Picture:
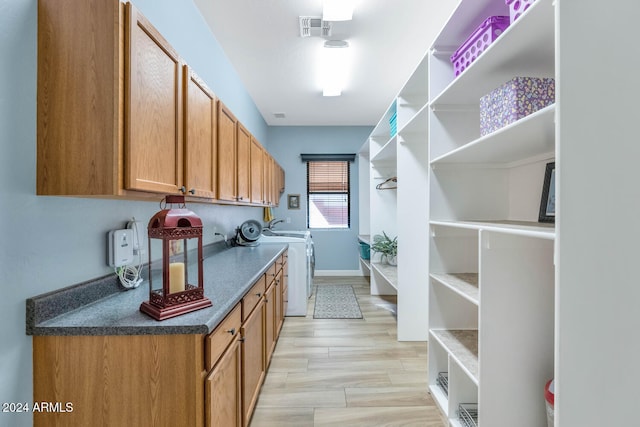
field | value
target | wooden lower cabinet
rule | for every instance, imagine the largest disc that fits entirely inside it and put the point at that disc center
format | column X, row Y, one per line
column 196, row 380
column 119, row 380
column 253, row 366
column 223, row 389
column 279, row 315
column 285, row 290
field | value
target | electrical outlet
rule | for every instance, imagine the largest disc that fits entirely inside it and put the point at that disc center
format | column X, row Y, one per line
column 120, row 252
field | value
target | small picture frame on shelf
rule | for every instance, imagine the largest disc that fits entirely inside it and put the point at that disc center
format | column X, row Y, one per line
column 293, row 201
column 548, row 201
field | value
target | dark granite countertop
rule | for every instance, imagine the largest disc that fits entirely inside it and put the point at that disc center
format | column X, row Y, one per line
column 94, row 308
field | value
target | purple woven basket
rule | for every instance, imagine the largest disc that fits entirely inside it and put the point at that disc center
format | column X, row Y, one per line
column 478, row 42
column 517, row 8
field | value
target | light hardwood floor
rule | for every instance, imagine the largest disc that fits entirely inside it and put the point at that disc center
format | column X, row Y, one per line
column 347, row 372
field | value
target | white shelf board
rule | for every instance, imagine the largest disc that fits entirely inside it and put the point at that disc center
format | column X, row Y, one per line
column 388, row 153
column 468, row 15
column 464, row 284
column 455, row 422
column 462, row 347
column 382, row 128
column 388, row 272
column 522, row 228
column 364, row 238
column 528, row 137
column 440, row 398
column 415, row 101
column 526, row 48
column 417, row 84
column 418, row 124
column 366, row 263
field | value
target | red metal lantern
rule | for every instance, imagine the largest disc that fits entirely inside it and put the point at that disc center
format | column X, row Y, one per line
column 175, row 262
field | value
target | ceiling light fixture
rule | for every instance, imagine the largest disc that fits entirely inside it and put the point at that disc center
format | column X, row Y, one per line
column 334, row 64
column 337, row 10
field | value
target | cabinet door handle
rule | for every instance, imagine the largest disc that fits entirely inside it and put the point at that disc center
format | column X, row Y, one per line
column 192, row 191
column 258, row 294
column 183, row 189
column 241, row 339
column 232, row 331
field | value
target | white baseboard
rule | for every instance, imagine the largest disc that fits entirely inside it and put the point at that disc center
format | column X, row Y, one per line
column 338, row 273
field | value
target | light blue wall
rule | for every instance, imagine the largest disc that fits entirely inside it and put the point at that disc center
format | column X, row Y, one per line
column 335, row 249
column 51, row 242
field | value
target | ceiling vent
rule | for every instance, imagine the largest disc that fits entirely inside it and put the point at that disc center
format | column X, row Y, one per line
column 314, row 26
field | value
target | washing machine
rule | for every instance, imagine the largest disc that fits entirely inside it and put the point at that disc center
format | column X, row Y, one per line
column 301, row 264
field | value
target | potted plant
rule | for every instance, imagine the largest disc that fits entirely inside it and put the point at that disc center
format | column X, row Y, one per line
column 386, row 247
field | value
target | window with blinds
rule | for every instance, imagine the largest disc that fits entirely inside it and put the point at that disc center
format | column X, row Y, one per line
column 328, row 194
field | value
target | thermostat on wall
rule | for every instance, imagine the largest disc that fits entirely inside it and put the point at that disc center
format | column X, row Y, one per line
column 120, row 252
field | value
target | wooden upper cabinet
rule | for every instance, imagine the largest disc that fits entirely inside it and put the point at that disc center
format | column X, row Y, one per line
column 243, row 166
column 79, row 108
column 226, row 153
column 119, row 114
column 266, row 178
column 279, row 181
column 257, row 160
column 200, row 136
column 153, row 137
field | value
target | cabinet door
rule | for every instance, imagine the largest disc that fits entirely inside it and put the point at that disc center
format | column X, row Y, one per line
column 79, row 82
column 226, row 153
column 223, row 390
column 243, row 164
column 252, row 360
column 274, row 182
column 199, row 137
column 285, row 289
column 279, row 315
column 266, row 178
column 269, row 322
column 257, row 159
column 153, row 138
column 278, row 186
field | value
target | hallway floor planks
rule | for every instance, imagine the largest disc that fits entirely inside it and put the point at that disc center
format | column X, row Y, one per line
column 350, row 372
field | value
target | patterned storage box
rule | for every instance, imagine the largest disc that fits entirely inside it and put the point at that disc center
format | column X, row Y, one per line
column 478, row 42
column 517, row 8
column 514, row 100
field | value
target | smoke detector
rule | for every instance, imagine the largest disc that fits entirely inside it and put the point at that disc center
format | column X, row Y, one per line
column 314, row 26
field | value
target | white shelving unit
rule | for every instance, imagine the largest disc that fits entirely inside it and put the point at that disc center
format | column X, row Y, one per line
column 382, row 148
column 512, row 302
column 491, row 266
column 404, row 156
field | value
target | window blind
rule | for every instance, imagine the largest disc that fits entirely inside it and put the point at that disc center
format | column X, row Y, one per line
column 328, row 194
